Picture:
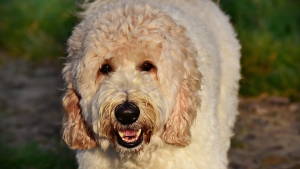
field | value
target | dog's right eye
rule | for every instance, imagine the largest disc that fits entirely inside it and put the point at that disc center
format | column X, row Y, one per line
column 105, row 69
column 147, row 66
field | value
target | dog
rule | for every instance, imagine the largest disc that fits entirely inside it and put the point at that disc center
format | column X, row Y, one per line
column 151, row 84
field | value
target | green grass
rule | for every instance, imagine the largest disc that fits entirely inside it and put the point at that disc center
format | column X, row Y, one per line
column 269, row 32
column 36, row 29
column 31, row 156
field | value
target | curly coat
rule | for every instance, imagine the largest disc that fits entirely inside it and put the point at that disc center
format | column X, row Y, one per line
column 188, row 101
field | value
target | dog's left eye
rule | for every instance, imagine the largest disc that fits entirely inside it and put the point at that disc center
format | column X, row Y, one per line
column 146, row 66
column 105, row 69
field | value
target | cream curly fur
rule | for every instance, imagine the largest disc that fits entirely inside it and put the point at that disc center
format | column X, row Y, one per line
column 187, row 101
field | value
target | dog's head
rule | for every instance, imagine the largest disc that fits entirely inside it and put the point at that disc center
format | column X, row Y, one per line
column 132, row 76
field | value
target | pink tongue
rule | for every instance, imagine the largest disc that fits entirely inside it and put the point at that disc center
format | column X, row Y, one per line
column 129, row 133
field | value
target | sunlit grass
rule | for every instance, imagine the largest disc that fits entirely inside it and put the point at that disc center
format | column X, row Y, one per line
column 269, row 32
column 35, row 29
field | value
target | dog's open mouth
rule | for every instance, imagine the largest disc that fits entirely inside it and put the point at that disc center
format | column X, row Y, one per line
column 130, row 138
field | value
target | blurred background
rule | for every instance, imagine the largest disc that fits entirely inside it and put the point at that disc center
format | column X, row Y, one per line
column 33, row 35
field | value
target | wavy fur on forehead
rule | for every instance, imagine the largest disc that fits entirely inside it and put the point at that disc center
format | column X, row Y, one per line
column 122, row 25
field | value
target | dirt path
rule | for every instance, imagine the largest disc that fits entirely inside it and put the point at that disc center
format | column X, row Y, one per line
column 30, row 108
column 267, row 134
column 267, row 129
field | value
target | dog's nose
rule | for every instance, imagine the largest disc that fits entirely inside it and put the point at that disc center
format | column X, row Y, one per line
column 127, row 113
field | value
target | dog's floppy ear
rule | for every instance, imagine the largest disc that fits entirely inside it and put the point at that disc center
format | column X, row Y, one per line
column 76, row 133
column 177, row 128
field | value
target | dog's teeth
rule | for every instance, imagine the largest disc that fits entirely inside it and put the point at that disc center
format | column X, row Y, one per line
column 139, row 132
column 121, row 134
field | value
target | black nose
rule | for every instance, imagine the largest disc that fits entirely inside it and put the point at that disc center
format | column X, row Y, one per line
column 127, row 113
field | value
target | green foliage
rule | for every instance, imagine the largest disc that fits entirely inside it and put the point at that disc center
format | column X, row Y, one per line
column 269, row 32
column 35, row 29
column 31, row 156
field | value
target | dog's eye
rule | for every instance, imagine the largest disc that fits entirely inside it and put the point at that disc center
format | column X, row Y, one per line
column 105, row 69
column 146, row 66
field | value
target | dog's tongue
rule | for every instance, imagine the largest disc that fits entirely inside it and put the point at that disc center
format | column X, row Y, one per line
column 129, row 133
column 130, row 136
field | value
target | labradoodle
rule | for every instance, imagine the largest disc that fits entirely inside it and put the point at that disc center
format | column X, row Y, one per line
column 151, row 85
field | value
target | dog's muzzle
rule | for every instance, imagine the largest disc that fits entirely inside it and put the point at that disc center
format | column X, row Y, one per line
column 128, row 113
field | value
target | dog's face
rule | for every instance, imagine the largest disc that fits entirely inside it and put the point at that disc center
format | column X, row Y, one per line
column 132, row 76
column 123, row 101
